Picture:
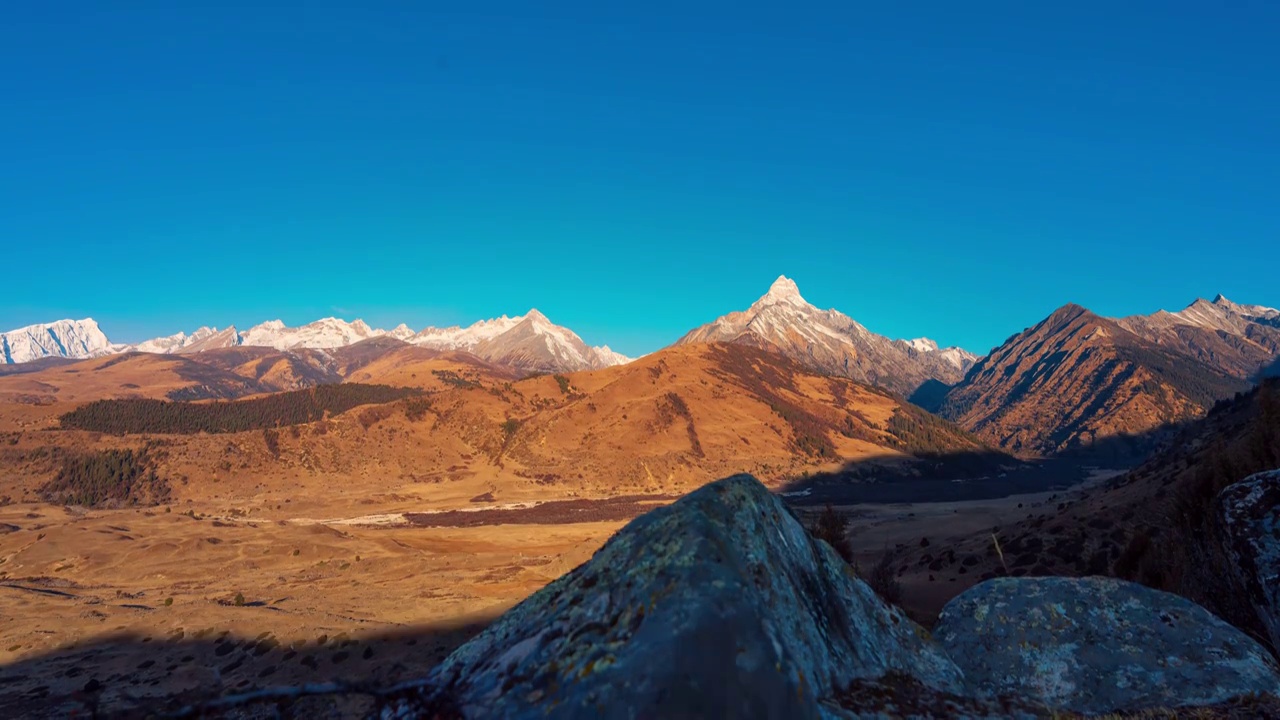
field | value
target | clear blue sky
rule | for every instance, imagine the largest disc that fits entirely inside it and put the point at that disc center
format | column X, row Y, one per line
column 956, row 170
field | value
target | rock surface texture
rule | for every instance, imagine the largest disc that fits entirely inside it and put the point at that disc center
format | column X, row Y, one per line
column 719, row 605
column 1250, row 513
column 1098, row 645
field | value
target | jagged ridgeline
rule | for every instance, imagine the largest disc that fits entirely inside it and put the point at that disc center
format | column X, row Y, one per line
column 130, row 416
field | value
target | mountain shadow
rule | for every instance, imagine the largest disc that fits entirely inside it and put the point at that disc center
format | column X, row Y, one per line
column 136, row 676
column 930, row 395
column 970, row 475
column 1271, row 372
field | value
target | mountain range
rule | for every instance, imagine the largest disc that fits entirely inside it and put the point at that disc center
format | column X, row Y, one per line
column 527, row 342
column 1068, row 383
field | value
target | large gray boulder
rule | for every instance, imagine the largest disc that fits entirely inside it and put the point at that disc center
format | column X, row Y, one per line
column 1250, row 513
column 1097, row 645
column 717, row 606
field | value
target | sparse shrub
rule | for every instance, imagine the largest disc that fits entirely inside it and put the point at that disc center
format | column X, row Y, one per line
column 671, row 406
column 563, row 382
column 373, row 415
column 453, row 379
column 416, row 408
column 510, row 426
column 239, row 601
column 168, row 602
column 832, row 528
column 884, row 581
column 271, row 437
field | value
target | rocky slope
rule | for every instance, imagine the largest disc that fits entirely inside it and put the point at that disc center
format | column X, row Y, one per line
column 833, row 343
column 1237, row 340
column 1076, row 381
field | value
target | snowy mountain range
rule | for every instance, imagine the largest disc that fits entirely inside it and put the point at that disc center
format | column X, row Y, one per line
column 835, row 343
column 1233, row 338
column 529, row 342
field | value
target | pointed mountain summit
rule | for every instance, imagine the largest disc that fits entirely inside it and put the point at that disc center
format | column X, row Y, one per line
column 783, row 290
column 833, row 343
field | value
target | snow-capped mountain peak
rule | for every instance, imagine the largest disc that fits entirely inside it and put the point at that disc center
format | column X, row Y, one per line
column 783, row 291
column 176, row 342
column 324, row 333
column 63, row 338
column 401, row 332
column 922, row 345
column 530, row 341
column 834, row 342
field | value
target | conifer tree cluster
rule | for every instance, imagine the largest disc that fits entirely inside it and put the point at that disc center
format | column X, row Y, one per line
column 129, row 416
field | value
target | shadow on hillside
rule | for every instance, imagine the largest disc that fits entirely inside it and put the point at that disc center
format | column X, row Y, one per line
column 131, row 675
column 930, row 395
column 1272, row 371
column 973, row 475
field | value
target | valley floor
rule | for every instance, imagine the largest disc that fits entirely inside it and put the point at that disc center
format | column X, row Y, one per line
column 143, row 602
column 875, row 529
column 244, row 589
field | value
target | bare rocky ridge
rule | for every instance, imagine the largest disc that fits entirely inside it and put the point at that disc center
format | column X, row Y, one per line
column 833, row 343
column 1076, row 379
column 1237, row 340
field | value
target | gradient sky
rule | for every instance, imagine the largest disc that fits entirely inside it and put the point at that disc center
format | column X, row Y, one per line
column 955, row 170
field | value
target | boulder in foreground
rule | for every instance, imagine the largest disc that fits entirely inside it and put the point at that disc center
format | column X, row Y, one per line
column 1250, row 513
column 1098, row 645
column 719, row 605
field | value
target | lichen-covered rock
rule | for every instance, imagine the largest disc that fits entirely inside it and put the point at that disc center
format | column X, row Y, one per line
column 1095, row 645
column 1250, row 512
column 719, row 605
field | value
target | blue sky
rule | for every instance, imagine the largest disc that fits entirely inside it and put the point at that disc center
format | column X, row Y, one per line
column 942, row 169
